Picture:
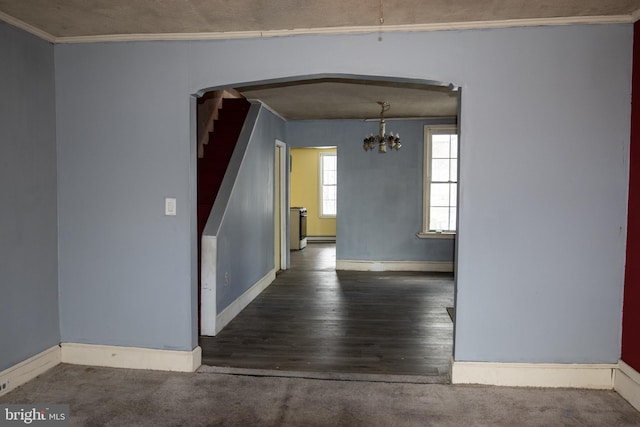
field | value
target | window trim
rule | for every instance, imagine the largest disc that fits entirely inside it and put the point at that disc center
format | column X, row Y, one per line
column 429, row 131
column 321, row 214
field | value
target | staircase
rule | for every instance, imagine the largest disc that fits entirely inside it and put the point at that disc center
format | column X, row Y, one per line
column 214, row 161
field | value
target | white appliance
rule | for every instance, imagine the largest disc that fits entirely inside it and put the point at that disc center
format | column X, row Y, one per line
column 298, row 228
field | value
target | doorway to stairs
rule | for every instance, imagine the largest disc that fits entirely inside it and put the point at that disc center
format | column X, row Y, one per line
column 219, row 120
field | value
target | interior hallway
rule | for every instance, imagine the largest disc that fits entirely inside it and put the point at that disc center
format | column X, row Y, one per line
column 315, row 319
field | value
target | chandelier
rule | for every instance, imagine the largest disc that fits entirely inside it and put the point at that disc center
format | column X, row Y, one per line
column 382, row 140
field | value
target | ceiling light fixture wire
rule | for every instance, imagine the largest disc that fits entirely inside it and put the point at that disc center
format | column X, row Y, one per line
column 380, row 19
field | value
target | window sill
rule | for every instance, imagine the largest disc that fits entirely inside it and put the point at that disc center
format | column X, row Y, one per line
column 436, row 235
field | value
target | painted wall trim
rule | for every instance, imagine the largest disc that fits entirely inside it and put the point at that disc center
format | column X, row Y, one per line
column 434, row 235
column 588, row 376
column 30, row 368
column 208, row 285
column 430, row 266
column 328, row 239
column 131, row 357
column 282, row 190
column 472, row 25
column 269, row 109
column 627, row 384
column 233, row 309
column 27, row 27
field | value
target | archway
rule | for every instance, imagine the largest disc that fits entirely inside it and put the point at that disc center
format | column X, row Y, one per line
column 286, row 83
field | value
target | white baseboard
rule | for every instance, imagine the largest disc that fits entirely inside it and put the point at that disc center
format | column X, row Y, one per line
column 430, row 266
column 233, row 309
column 588, row 376
column 322, row 239
column 131, row 357
column 30, row 368
column 627, row 384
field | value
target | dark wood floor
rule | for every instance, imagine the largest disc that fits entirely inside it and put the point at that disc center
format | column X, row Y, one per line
column 315, row 319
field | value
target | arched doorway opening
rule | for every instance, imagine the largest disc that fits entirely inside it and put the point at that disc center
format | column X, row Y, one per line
column 375, row 217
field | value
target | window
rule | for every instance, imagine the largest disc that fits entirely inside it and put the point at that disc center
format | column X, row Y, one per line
column 328, row 184
column 440, row 181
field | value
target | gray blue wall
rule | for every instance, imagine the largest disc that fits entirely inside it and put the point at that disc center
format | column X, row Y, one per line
column 544, row 167
column 379, row 195
column 126, row 276
column 245, row 240
column 28, row 219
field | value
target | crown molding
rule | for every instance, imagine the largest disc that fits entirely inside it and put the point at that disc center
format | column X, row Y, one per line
column 446, row 26
column 27, row 27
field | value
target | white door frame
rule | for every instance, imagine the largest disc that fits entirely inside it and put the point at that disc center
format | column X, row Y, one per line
column 283, row 204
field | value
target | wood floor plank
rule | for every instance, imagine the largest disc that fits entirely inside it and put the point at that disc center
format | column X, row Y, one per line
column 312, row 318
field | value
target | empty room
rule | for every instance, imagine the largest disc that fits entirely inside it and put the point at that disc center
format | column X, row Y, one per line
column 151, row 154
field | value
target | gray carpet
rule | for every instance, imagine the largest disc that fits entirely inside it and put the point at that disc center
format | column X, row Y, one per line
column 121, row 397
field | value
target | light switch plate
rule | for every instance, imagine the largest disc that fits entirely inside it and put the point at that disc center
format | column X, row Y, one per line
column 170, row 206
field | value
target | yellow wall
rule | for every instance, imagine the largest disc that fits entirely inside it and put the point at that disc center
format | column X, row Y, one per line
column 305, row 174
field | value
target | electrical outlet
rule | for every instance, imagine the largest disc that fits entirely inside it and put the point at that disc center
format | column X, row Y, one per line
column 226, row 279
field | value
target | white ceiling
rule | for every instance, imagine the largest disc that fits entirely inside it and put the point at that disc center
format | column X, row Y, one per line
column 94, row 20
